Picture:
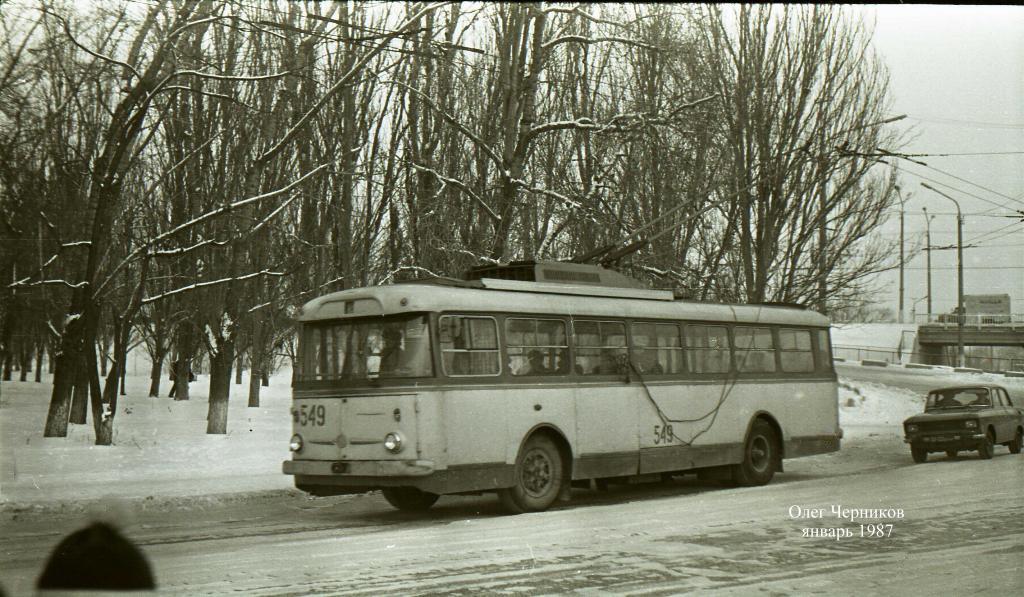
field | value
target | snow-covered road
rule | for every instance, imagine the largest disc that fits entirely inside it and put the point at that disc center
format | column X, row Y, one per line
column 961, row 530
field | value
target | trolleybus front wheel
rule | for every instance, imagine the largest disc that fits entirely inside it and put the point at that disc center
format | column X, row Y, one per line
column 760, row 457
column 409, row 499
column 539, row 477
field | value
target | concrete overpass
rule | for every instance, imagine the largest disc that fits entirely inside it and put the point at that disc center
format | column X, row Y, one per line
column 933, row 337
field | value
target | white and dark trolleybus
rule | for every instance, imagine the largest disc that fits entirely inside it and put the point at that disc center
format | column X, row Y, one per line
column 533, row 377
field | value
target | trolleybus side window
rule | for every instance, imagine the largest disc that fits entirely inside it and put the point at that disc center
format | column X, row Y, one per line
column 600, row 347
column 755, row 349
column 469, row 345
column 537, row 346
column 795, row 352
column 823, row 354
column 657, row 348
column 707, row 348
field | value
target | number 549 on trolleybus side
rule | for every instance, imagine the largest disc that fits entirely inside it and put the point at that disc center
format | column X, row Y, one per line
column 528, row 379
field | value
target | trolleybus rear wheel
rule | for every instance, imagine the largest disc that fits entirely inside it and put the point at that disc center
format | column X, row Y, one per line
column 760, row 456
column 539, row 477
column 409, row 499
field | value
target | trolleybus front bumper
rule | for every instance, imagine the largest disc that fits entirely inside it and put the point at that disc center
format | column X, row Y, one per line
column 359, row 468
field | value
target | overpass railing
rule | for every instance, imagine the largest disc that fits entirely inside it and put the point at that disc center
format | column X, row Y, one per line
column 895, row 357
column 975, row 320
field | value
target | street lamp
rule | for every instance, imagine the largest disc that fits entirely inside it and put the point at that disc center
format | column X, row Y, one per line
column 959, row 274
column 928, row 255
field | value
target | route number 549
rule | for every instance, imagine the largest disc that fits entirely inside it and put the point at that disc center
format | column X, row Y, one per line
column 663, row 434
column 314, row 415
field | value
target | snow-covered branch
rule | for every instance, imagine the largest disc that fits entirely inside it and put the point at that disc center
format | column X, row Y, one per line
column 487, row 149
column 461, row 186
column 94, row 54
column 617, row 123
column 198, row 285
column 182, row 250
column 578, row 10
column 145, row 247
column 580, row 39
column 548, row 192
column 216, row 77
column 404, row 268
column 24, row 282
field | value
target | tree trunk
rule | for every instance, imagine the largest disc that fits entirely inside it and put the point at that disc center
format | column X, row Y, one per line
column 103, row 405
column 254, row 386
column 26, row 362
column 264, row 378
column 184, row 344
column 40, row 351
column 60, row 402
column 220, row 388
column 156, row 373
column 238, row 369
column 104, row 351
column 80, row 395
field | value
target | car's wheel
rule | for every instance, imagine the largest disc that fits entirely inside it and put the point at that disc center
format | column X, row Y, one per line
column 952, row 453
column 1015, row 445
column 760, row 457
column 987, row 446
column 539, row 477
column 409, row 499
column 919, row 453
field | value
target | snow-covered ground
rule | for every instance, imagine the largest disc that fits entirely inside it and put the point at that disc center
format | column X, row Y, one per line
column 161, row 450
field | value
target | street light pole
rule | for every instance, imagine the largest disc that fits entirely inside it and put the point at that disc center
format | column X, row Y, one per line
column 959, row 274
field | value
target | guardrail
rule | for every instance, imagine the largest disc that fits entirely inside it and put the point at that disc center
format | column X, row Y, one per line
column 895, row 357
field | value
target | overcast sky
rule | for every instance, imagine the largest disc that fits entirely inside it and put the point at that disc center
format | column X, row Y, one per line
column 958, row 73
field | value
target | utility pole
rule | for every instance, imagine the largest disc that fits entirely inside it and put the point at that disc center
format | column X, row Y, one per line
column 928, row 256
column 900, row 195
column 959, row 275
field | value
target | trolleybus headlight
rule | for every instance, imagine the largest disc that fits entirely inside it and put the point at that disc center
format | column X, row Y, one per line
column 296, row 444
column 971, row 424
column 393, row 442
column 911, row 428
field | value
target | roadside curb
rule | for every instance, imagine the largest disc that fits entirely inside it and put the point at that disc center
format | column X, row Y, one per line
column 873, row 363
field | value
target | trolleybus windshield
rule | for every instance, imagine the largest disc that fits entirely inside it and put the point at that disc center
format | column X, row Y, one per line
column 359, row 350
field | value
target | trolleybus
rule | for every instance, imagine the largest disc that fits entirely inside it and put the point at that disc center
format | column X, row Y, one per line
column 529, row 379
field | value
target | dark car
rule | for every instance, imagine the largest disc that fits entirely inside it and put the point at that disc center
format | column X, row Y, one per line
column 968, row 417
